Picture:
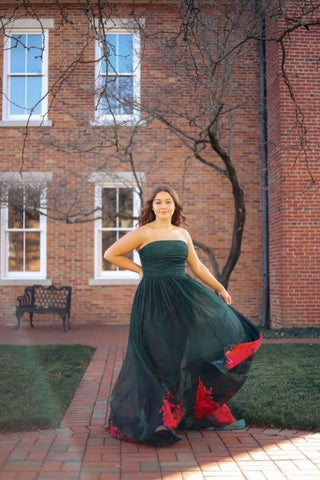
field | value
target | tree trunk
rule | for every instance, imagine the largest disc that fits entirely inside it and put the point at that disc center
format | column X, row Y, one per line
column 239, row 211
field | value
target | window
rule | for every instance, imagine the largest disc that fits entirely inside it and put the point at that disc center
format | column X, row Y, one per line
column 118, row 208
column 118, row 75
column 25, row 75
column 23, row 233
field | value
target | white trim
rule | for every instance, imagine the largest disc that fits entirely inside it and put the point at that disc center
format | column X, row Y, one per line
column 25, row 123
column 25, row 119
column 117, row 274
column 28, row 23
column 120, row 179
column 113, row 180
column 28, row 178
column 4, row 282
column 129, row 24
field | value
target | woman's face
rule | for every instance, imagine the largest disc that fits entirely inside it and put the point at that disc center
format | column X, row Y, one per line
column 163, row 205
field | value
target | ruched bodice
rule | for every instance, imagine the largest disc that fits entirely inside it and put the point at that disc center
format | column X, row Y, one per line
column 188, row 353
column 164, row 258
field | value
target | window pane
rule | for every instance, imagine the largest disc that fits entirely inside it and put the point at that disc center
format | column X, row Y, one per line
column 125, row 208
column 15, row 208
column 109, row 103
column 109, row 207
column 103, row 61
column 126, row 93
column 108, row 238
column 34, row 53
column 129, row 255
column 25, row 95
column 33, row 251
column 120, row 95
column 112, row 53
column 15, row 252
column 120, row 53
column 125, row 53
column 34, row 95
column 17, row 53
column 32, row 207
column 17, row 95
column 103, row 64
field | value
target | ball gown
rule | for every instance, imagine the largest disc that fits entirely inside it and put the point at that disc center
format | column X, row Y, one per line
column 188, row 353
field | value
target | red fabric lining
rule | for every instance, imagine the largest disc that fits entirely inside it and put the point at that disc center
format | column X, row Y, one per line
column 204, row 403
column 206, row 407
column 241, row 352
column 172, row 412
column 223, row 415
column 113, row 430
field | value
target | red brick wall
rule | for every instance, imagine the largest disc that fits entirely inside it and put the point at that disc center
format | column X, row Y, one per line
column 206, row 195
column 294, row 205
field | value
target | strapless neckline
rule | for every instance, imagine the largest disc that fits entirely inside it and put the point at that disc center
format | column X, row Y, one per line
column 161, row 241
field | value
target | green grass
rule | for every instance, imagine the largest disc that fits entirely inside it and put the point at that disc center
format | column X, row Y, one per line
column 282, row 389
column 37, row 383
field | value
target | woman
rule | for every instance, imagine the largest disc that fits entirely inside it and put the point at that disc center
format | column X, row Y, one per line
column 188, row 351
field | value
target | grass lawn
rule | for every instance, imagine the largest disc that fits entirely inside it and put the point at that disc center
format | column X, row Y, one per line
column 283, row 388
column 37, row 383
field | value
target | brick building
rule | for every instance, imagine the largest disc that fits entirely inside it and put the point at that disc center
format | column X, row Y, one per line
column 75, row 155
column 294, row 205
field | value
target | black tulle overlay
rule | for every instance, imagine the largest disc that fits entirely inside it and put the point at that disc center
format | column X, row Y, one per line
column 188, row 353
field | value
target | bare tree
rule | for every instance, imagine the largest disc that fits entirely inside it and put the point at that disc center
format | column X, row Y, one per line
column 204, row 53
column 201, row 53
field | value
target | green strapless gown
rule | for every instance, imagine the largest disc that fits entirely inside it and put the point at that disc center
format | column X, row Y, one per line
column 188, row 353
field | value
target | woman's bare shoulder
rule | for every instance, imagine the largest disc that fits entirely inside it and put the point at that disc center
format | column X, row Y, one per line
column 145, row 231
column 184, row 233
column 141, row 235
column 132, row 240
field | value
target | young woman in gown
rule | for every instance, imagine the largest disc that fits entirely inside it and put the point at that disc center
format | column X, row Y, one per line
column 188, row 350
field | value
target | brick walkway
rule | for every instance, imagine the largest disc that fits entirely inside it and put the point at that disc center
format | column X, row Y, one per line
column 81, row 450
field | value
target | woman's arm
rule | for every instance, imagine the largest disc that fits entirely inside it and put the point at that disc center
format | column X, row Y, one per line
column 115, row 254
column 202, row 272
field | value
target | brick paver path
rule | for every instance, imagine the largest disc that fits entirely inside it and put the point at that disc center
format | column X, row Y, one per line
column 82, row 450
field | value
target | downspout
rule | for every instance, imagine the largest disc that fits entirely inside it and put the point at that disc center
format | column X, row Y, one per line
column 265, row 314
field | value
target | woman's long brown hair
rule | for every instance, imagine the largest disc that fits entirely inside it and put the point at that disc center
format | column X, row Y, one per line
column 147, row 214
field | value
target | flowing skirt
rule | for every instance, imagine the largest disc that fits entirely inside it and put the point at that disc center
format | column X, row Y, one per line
column 188, row 353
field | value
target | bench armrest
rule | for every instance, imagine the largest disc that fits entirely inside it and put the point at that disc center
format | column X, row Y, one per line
column 25, row 300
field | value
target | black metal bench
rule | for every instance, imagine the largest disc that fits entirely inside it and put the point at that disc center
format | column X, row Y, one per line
column 39, row 299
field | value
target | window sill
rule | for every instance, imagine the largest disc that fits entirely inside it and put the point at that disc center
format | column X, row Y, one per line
column 113, row 281
column 4, row 282
column 119, row 121
column 25, row 123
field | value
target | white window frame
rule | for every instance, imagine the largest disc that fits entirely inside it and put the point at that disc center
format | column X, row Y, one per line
column 119, row 26
column 27, row 275
column 113, row 277
column 25, row 27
